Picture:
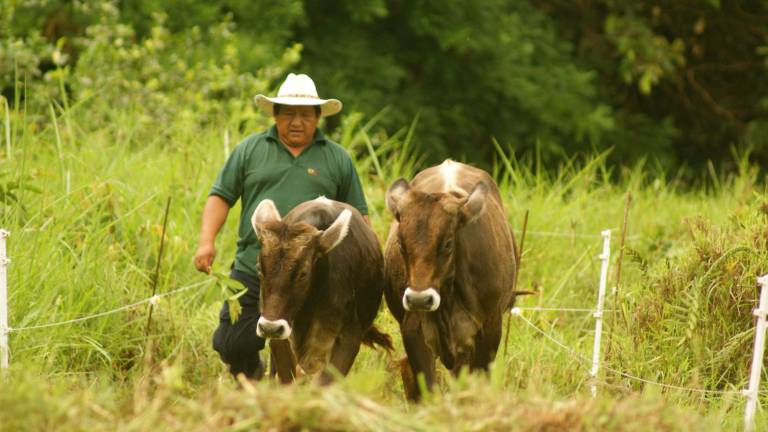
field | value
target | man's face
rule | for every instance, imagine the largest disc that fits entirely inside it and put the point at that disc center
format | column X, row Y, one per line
column 296, row 125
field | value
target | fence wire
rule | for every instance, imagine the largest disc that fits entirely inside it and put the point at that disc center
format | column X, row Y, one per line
column 585, row 362
column 153, row 300
column 516, row 309
column 570, row 234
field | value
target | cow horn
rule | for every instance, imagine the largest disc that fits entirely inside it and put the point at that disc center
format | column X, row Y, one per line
column 335, row 233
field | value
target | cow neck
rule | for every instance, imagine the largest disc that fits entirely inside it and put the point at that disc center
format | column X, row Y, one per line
column 326, row 261
column 461, row 280
column 444, row 325
column 456, row 296
column 314, row 298
column 444, row 318
column 321, row 274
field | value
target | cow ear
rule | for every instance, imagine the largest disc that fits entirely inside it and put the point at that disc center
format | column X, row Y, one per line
column 335, row 233
column 474, row 206
column 395, row 194
column 265, row 212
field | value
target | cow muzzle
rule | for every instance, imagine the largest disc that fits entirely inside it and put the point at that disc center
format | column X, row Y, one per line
column 278, row 329
column 427, row 300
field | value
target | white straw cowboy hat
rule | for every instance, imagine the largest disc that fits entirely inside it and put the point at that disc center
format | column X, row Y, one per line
column 298, row 90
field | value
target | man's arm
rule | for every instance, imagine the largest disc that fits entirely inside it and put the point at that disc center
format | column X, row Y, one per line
column 351, row 189
column 214, row 215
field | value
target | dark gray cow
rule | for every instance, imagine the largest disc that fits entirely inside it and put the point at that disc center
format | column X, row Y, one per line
column 450, row 261
column 322, row 279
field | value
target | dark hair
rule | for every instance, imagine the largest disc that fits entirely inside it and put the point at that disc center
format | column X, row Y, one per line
column 276, row 109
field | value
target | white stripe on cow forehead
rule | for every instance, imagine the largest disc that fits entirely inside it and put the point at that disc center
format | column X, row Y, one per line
column 323, row 200
column 449, row 170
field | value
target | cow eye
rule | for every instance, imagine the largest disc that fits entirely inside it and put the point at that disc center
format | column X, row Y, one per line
column 448, row 245
column 303, row 274
column 402, row 248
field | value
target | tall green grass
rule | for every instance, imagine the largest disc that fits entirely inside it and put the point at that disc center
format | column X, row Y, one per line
column 86, row 210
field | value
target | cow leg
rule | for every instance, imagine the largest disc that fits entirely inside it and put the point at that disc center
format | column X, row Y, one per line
column 283, row 359
column 342, row 357
column 272, row 366
column 319, row 342
column 464, row 357
column 456, row 371
column 420, row 357
column 486, row 345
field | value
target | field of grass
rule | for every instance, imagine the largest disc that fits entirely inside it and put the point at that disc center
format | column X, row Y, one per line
column 84, row 192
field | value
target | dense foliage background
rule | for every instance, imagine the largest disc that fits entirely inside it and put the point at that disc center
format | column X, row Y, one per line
column 678, row 83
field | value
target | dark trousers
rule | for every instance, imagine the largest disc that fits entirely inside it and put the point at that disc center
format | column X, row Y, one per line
column 237, row 343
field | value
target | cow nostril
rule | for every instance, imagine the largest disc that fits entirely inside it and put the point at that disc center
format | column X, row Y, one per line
column 427, row 300
column 279, row 329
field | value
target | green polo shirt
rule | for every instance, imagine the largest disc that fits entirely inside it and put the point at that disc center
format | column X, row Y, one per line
column 260, row 167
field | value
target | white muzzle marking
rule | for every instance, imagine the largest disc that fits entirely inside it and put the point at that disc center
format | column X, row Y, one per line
column 427, row 300
column 278, row 329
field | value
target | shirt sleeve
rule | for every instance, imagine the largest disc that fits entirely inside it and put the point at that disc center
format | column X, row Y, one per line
column 350, row 189
column 229, row 183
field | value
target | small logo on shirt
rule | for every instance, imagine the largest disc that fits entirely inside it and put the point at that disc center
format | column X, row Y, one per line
column 312, row 171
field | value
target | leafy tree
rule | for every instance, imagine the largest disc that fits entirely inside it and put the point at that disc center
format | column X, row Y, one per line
column 679, row 82
column 472, row 70
column 689, row 77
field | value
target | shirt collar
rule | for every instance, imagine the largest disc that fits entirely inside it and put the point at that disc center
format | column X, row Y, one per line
column 319, row 136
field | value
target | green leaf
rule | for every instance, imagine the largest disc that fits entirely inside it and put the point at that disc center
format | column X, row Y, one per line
column 645, row 83
column 234, row 308
column 232, row 290
column 234, row 305
column 225, row 282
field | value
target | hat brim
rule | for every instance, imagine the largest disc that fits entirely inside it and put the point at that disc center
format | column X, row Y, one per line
column 328, row 107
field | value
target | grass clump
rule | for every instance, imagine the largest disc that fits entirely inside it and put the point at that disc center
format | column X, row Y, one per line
column 699, row 304
column 160, row 401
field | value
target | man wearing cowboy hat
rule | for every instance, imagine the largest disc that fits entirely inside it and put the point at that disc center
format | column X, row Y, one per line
column 290, row 163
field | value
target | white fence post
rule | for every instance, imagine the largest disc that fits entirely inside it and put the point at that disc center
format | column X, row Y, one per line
column 605, row 257
column 3, row 301
column 757, row 356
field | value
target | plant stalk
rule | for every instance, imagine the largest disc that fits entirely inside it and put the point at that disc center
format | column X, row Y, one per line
column 157, row 266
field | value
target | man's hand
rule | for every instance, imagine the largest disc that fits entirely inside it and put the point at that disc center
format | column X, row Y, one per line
column 214, row 215
column 204, row 257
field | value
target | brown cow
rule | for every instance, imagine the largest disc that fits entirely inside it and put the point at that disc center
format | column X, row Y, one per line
column 321, row 285
column 450, row 262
